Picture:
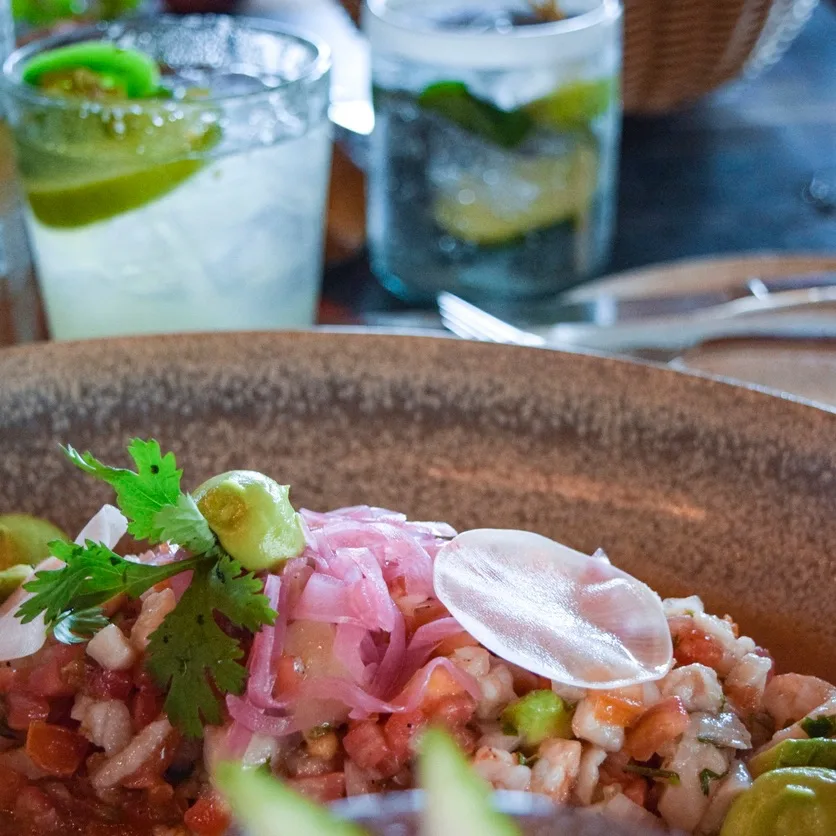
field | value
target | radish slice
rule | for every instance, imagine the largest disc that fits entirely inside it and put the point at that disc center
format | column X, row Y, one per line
column 108, row 527
column 575, row 619
column 17, row 640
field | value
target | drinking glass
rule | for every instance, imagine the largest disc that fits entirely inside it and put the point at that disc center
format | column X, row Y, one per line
column 492, row 167
column 200, row 211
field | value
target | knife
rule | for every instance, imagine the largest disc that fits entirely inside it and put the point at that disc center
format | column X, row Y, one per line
column 608, row 309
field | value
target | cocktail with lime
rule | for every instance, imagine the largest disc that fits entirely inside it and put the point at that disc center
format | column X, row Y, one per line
column 175, row 172
column 493, row 165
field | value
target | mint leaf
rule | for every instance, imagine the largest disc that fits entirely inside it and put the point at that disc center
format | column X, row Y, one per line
column 191, row 657
column 140, row 495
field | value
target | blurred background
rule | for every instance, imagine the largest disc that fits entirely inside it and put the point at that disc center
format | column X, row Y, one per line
column 727, row 149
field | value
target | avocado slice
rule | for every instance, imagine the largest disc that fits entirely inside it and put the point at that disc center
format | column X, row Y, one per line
column 538, row 716
column 814, row 752
column 457, row 800
column 268, row 808
column 12, row 578
column 253, row 518
column 25, row 539
column 786, row 802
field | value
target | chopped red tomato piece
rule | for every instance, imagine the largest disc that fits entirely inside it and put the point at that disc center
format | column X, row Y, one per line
column 55, row 749
column 320, row 788
column 455, row 710
column 61, row 673
column 660, row 724
column 146, row 705
column 35, row 812
column 103, row 684
column 24, row 709
column 366, row 745
column 618, row 711
column 694, row 646
column 208, row 816
column 289, row 676
column 11, row 785
column 400, row 731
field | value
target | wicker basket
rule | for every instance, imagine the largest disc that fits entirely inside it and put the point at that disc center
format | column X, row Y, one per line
column 676, row 51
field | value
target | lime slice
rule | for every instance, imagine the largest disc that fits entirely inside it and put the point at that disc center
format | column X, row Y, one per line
column 116, row 181
column 561, row 189
column 68, row 206
column 573, row 106
column 25, row 539
column 67, row 70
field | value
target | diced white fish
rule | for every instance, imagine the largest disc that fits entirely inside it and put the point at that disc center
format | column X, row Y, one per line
column 722, row 794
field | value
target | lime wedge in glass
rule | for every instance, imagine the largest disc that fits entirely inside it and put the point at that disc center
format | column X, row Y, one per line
column 129, row 72
column 107, row 177
column 574, row 105
column 561, row 189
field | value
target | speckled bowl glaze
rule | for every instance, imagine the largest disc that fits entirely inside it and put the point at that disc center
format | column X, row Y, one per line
column 692, row 484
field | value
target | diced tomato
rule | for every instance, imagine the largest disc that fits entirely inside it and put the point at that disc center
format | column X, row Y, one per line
column 423, row 614
column 636, row 790
column 60, row 674
column 617, row 711
column 208, row 816
column 24, row 709
column 525, row 682
column 8, row 678
column 320, row 788
column 55, row 749
column 11, row 785
column 35, row 812
column 102, row 684
column 660, row 724
column 455, row 710
column 289, row 676
column 146, row 705
column 366, row 745
column 454, row 642
column 694, row 646
column 400, row 731
column 441, row 684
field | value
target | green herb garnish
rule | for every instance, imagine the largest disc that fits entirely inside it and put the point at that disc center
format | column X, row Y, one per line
column 189, row 654
column 819, row 726
column 453, row 101
column 706, row 777
column 664, row 775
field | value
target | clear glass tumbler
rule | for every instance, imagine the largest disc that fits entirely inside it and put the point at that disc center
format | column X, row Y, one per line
column 199, row 209
column 492, row 168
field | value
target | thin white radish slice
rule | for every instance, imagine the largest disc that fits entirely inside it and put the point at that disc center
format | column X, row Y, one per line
column 575, row 619
column 107, row 527
column 17, row 640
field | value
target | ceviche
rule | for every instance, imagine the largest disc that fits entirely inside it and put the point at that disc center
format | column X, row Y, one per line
column 319, row 647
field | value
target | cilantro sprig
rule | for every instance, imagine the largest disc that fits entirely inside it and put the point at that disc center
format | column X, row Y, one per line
column 189, row 655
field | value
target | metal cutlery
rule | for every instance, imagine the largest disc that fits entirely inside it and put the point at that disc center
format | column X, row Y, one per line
column 783, row 318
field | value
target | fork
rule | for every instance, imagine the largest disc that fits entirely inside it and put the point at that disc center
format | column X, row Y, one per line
column 664, row 337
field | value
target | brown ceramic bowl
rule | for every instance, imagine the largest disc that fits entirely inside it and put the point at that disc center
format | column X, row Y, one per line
column 694, row 485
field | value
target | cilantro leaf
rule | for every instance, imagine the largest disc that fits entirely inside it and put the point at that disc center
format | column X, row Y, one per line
column 77, row 627
column 93, row 575
column 191, row 657
column 664, row 775
column 819, row 726
column 706, row 777
column 155, row 485
column 182, row 523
